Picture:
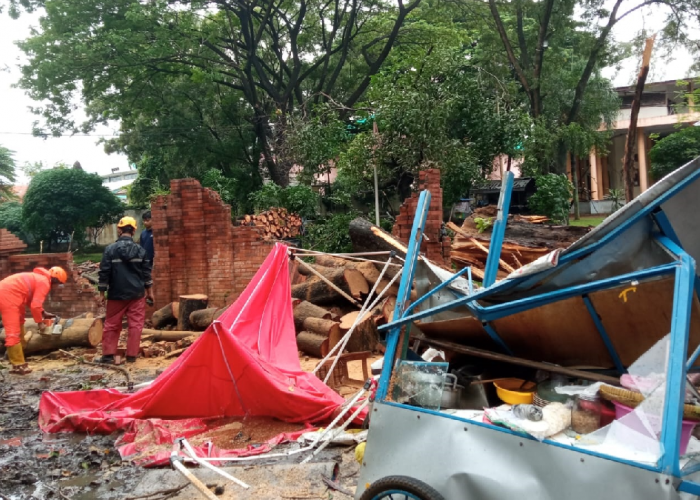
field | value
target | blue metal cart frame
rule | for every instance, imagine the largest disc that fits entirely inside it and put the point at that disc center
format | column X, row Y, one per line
column 391, row 419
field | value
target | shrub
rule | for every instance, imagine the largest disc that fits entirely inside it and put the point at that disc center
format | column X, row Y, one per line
column 553, row 197
column 331, row 234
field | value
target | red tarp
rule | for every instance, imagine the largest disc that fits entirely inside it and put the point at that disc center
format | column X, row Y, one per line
column 245, row 364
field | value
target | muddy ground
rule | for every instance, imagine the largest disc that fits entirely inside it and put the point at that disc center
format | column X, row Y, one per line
column 35, row 465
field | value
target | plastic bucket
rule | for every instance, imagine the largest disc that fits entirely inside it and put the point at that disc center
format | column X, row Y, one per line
column 635, row 424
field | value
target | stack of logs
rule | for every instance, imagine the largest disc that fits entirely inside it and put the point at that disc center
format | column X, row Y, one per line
column 276, row 223
column 323, row 314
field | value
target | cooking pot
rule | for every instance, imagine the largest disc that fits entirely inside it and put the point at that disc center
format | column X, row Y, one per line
column 451, row 393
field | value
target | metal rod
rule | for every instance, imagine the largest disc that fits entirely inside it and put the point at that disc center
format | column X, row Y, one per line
column 496, row 337
column 318, row 450
column 412, row 254
column 676, row 371
column 328, row 282
column 604, row 334
column 432, row 292
column 347, row 254
column 193, row 454
column 359, row 259
column 499, row 231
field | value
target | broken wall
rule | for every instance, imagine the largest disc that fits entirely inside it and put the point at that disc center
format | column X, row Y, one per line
column 197, row 247
column 437, row 247
column 74, row 298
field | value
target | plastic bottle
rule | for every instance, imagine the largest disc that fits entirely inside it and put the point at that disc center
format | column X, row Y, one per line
column 528, row 412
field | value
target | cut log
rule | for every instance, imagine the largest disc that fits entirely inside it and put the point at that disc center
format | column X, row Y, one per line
column 321, row 326
column 313, row 344
column 201, row 319
column 189, row 304
column 166, row 335
column 318, row 291
column 308, row 310
column 77, row 332
column 365, row 336
column 167, row 315
column 368, row 269
column 388, row 309
column 366, row 237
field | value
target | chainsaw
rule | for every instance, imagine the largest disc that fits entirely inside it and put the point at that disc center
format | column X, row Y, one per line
column 57, row 327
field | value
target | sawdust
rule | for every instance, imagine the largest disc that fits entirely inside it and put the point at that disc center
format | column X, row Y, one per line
column 237, row 433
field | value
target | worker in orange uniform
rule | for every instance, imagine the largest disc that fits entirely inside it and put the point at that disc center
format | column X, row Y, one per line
column 17, row 292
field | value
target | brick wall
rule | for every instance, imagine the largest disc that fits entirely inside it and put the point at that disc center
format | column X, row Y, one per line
column 73, row 299
column 435, row 249
column 197, row 248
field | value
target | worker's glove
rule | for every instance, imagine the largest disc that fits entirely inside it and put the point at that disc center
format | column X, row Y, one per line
column 41, row 327
column 48, row 315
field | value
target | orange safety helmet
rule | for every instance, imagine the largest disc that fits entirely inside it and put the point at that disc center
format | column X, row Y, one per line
column 59, row 273
column 127, row 221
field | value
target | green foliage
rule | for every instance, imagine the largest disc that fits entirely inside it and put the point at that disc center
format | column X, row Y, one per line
column 617, row 196
column 553, row 197
column 483, row 224
column 11, row 217
column 233, row 190
column 330, row 235
column 59, row 202
column 33, row 168
column 7, row 174
column 299, row 199
column 674, row 151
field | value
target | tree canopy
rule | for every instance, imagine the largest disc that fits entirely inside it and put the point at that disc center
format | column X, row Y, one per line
column 674, row 151
column 7, row 174
column 64, row 202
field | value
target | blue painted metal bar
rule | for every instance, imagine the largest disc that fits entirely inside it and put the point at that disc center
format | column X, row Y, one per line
column 689, row 487
column 690, row 469
column 604, row 334
column 405, row 286
column 665, row 226
column 676, row 372
column 499, row 231
column 496, row 338
column 497, row 311
column 432, row 292
column 469, row 278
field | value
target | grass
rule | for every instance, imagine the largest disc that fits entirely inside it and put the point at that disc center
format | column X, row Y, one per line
column 587, row 220
column 82, row 257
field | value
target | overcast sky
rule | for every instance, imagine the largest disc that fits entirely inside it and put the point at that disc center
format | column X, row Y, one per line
column 16, row 119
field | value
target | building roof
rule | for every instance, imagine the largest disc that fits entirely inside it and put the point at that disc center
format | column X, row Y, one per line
column 519, row 184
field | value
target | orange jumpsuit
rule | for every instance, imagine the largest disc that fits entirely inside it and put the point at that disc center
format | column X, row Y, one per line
column 17, row 292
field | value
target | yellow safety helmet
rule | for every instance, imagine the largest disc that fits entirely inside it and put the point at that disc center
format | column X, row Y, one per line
column 127, row 221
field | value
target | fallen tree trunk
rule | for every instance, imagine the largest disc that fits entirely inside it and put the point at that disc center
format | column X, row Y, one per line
column 189, row 304
column 201, row 319
column 306, row 310
column 313, row 344
column 318, row 291
column 320, row 326
column 78, row 332
column 368, row 269
column 366, row 237
column 167, row 335
column 165, row 316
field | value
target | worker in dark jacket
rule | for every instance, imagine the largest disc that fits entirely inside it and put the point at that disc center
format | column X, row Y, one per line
column 125, row 276
column 146, row 239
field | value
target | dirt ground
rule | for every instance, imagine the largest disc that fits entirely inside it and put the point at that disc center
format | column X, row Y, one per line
column 35, row 465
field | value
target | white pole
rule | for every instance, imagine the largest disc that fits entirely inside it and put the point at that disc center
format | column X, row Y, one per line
column 375, row 130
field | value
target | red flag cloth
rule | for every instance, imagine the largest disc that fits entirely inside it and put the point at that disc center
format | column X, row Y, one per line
column 245, row 364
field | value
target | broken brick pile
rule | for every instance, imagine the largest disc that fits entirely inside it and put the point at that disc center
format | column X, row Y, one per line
column 197, row 247
column 435, row 248
column 74, row 298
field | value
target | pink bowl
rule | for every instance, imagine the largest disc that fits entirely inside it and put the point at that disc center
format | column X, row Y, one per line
column 637, row 425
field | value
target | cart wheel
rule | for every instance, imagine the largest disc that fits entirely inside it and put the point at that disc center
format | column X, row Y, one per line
column 400, row 488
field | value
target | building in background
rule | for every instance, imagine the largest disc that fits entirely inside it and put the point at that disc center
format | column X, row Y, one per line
column 118, row 181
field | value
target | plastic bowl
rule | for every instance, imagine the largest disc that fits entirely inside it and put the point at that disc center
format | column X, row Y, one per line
column 636, row 424
column 515, row 391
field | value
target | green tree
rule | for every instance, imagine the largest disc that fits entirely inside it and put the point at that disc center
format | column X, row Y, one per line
column 64, row 202
column 258, row 62
column 11, row 217
column 7, row 174
column 674, row 151
column 30, row 169
column 553, row 197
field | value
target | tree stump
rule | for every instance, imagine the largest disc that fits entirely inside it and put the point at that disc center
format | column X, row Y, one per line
column 320, row 326
column 189, row 304
column 365, row 336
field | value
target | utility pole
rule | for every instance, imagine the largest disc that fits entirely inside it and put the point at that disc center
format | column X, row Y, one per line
column 375, row 131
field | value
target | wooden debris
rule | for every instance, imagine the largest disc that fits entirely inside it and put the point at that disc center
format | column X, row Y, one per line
column 167, row 315
column 275, row 223
column 306, row 310
column 368, row 269
column 313, row 344
column 169, row 335
column 189, row 304
column 318, row 291
column 78, row 332
column 320, row 326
